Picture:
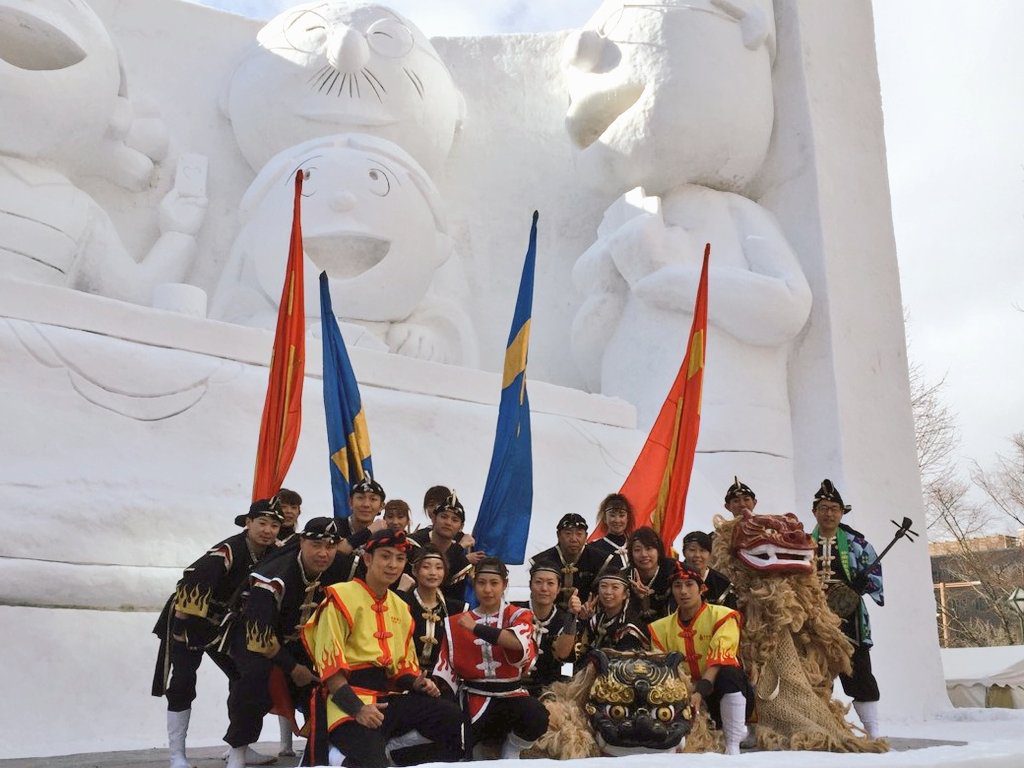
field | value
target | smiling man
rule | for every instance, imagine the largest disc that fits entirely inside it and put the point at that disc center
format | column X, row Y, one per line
column 708, row 636
column 577, row 563
column 192, row 616
column 361, row 640
column 843, row 561
column 366, row 498
column 280, row 598
column 448, row 517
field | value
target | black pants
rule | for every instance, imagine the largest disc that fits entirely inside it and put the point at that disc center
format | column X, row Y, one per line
column 524, row 716
column 249, row 695
column 861, row 684
column 185, row 661
column 436, row 719
column 729, row 680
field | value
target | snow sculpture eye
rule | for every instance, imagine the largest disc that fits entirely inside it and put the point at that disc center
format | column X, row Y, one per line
column 307, row 32
column 380, row 184
column 389, row 37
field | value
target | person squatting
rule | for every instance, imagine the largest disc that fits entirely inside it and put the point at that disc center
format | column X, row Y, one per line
column 362, row 626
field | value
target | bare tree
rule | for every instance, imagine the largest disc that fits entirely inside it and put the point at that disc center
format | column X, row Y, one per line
column 975, row 615
column 937, row 438
column 1004, row 485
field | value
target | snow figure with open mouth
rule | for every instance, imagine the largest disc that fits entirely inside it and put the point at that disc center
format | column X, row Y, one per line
column 372, row 219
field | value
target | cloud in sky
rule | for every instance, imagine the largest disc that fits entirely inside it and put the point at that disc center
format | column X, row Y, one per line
column 954, row 118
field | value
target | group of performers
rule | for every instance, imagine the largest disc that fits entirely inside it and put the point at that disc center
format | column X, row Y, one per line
column 363, row 626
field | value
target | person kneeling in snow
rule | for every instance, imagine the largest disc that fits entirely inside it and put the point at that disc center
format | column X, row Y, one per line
column 360, row 639
column 486, row 655
column 709, row 636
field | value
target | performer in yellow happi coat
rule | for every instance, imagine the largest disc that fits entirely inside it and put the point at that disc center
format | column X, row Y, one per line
column 708, row 636
column 361, row 641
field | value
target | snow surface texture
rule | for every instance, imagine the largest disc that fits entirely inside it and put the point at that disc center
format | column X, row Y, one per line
column 129, row 431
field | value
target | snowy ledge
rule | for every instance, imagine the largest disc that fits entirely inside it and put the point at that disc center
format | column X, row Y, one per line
column 66, row 308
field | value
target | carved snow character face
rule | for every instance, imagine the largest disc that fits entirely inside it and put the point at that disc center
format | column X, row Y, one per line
column 331, row 67
column 663, row 94
column 638, row 703
column 775, row 543
column 60, row 78
column 370, row 218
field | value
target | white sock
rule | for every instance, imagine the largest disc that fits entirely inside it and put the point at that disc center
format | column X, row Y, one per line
column 177, row 730
column 236, row 757
column 867, row 711
column 513, row 746
column 734, row 716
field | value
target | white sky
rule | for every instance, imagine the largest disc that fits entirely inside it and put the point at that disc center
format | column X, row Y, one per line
column 952, row 75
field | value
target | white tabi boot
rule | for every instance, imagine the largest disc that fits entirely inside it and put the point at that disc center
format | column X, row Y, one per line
column 177, row 729
column 252, row 757
column 867, row 711
column 513, row 746
column 734, row 716
column 236, row 757
column 286, row 749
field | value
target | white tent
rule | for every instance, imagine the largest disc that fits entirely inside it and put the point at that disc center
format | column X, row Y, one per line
column 985, row 677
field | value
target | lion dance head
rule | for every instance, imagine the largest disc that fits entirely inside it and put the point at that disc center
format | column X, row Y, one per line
column 792, row 646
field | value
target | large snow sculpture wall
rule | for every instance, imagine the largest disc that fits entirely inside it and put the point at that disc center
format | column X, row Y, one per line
column 130, row 431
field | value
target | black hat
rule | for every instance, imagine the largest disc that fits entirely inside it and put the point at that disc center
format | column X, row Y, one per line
column 701, row 539
column 387, row 538
column 616, row 574
column 545, row 566
column 260, row 508
column 738, row 489
column 828, row 492
column 321, row 528
column 367, row 485
column 571, row 520
column 452, row 504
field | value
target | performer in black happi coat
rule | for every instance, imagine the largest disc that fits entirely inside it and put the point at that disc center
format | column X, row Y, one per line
column 577, row 565
column 263, row 633
column 191, row 618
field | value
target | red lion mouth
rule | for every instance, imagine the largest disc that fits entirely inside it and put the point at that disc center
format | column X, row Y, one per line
column 775, row 543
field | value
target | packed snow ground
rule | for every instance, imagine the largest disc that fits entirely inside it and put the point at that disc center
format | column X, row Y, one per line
column 995, row 739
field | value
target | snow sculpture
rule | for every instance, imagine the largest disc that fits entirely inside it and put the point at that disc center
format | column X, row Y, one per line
column 677, row 98
column 333, row 67
column 65, row 113
column 372, row 219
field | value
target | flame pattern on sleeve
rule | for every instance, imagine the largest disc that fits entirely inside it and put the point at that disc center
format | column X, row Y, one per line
column 261, row 639
column 194, row 600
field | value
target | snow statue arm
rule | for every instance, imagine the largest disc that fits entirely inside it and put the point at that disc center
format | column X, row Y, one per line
column 769, row 298
column 108, row 269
